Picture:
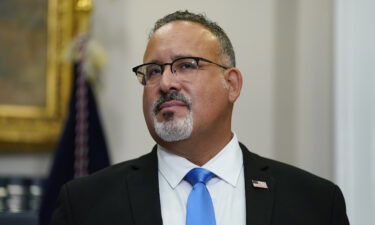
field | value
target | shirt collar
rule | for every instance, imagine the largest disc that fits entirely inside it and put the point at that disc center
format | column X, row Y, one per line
column 227, row 164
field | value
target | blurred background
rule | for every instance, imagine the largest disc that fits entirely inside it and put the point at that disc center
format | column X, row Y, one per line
column 308, row 97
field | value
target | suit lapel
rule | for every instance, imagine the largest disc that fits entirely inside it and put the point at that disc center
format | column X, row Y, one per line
column 143, row 189
column 143, row 186
column 259, row 201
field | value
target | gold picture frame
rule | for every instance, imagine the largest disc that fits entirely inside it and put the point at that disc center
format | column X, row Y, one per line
column 33, row 128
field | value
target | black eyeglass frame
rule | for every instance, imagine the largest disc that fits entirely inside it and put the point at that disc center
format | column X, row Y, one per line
column 162, row 66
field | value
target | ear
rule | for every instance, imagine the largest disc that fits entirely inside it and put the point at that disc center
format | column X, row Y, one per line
column 233, row 78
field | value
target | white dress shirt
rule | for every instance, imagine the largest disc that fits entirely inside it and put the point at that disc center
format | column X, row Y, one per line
column 227, row 189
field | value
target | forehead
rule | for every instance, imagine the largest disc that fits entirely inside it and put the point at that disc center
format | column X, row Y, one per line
column 181, row 38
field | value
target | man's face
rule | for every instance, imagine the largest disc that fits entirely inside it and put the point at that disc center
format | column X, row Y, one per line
column 177, row 108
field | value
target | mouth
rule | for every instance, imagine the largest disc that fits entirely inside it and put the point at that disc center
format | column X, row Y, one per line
column 168, row 109
column 171, row 104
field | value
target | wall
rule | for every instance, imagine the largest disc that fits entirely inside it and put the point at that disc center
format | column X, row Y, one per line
column 355, row 107
column 24, row 164
column 303, row 85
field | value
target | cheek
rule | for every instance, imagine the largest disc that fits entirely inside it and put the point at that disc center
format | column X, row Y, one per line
column 210, row 92
column 210, row 100
column 148, row 100
column 147, row 105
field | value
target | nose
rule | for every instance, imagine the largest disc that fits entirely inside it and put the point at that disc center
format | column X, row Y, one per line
column 169, row 81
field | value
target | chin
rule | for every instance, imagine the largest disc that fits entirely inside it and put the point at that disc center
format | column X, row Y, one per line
column 175, row 129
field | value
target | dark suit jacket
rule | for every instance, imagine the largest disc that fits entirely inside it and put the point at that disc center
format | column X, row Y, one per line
column 128, row 194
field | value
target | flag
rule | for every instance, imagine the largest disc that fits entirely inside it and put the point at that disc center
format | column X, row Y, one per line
column 82, row 147
column 259, row 184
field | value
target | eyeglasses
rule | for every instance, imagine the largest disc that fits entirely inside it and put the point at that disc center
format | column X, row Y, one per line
column 150, row 73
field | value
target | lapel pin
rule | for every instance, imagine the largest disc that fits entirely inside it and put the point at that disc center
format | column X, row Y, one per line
column 259, row 184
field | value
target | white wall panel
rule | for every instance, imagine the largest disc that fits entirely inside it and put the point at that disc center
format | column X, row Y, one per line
column 355, row 107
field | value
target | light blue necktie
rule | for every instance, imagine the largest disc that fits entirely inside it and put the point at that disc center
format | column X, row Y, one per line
column 199, row 209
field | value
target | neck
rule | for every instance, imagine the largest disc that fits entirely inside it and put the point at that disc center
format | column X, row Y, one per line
column 200, row 149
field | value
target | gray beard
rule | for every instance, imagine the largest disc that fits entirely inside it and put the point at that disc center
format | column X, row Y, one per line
column 174, row 129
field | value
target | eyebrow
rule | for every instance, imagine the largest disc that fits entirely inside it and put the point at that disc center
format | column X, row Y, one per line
column 178, row 56
column 181, row 56
column 153, row 61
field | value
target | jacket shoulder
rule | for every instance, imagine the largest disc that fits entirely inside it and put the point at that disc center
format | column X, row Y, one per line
column 86, row 200
column 116, row 172
column 280, row 170
column 296, row 190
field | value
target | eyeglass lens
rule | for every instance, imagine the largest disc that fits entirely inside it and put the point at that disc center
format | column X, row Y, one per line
column 151, row 73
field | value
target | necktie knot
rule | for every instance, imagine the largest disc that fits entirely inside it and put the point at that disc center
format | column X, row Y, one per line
column 198, row 175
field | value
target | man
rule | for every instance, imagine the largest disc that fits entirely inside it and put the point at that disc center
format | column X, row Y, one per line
column 190, row 85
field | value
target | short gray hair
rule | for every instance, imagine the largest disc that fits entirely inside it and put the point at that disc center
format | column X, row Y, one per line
column 226, row 47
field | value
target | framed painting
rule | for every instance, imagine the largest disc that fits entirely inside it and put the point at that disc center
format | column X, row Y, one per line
column 35, row 81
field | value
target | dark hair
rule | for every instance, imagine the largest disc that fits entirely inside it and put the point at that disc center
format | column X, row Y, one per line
column 226, row 47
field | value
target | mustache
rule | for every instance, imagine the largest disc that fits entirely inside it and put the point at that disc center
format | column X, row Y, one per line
column 169, row 97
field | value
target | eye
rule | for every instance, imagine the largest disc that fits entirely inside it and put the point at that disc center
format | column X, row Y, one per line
column 185, row 65
column 153, row 70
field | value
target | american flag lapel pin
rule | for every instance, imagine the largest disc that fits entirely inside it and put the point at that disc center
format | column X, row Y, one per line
column 259, row 184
